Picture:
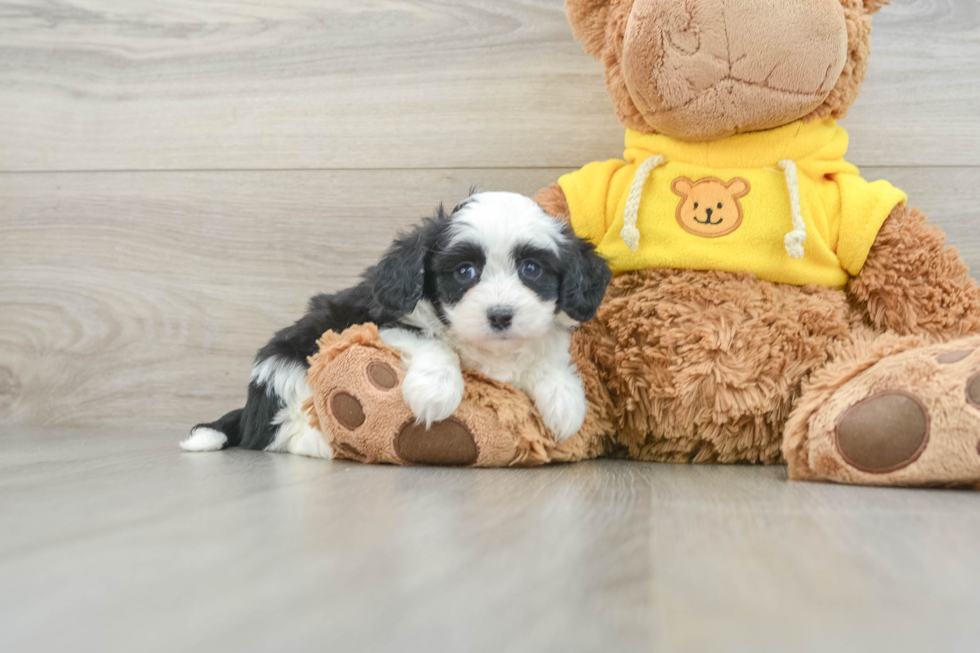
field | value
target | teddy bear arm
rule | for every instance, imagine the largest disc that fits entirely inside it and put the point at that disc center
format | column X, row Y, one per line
column 357, row 405
column 914, row 284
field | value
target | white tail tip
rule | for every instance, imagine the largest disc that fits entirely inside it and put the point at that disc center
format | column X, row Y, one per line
column 204, row 439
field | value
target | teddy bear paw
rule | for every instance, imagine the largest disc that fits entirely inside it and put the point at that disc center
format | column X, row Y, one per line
column 369, row 421
column 359, row 387
column 913, row 418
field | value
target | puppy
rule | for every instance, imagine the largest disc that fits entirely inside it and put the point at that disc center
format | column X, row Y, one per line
column 497, row 287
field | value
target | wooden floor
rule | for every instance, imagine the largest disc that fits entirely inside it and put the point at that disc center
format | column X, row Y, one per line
column 115, row 541
column 176, row 178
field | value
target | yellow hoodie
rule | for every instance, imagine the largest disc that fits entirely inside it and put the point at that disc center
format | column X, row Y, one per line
column 782, row 204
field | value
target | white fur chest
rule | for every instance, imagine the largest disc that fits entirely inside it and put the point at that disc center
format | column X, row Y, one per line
column 512, row 361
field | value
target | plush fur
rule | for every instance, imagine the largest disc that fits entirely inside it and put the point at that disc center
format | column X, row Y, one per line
column 913, row 283
column 938, row 377
column 708, row 366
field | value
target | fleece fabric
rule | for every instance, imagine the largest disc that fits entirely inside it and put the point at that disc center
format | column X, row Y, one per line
column 726, row 205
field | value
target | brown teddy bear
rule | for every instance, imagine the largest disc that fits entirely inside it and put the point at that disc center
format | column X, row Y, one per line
column 769, row 304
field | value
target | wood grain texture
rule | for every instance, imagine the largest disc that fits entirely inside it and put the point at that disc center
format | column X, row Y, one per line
column 117, row 541
column 142, row 297
column 147, row 85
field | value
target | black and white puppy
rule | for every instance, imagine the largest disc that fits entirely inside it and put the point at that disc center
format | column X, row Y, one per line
column 495, row 287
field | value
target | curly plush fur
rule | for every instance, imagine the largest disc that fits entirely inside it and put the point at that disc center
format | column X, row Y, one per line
column 913, row 283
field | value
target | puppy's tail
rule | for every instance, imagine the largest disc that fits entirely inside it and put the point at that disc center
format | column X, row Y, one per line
column 213, row 436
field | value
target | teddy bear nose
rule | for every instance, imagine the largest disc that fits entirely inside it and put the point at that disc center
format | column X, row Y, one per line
column 710, row 211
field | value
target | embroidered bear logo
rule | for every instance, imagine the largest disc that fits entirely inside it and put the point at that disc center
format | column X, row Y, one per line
column 710, row 207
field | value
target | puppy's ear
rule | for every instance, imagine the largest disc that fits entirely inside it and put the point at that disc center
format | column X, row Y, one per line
column 400, row 280
column 584, row 280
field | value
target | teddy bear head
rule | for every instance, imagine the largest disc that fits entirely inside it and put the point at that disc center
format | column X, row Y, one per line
column 700, row 70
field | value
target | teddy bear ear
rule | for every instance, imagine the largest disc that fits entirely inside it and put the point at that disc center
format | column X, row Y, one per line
column 739, row 187
column 682, row 186
column 588, row 19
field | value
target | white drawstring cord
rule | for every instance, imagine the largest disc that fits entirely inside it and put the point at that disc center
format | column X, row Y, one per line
column 795, row 238
column 630, row 234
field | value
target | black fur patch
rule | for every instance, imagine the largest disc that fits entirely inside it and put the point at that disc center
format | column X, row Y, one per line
column 547, row 282
column 584, row 277
column 230, row 424
column 448, row 289
column 257, row 429
column 387, row 293
column 401, row 276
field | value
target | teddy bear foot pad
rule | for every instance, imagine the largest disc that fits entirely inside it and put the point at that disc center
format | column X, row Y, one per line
column 444, row 443
column 911, row 418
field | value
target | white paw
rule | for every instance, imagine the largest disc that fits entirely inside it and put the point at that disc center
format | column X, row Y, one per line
column 561, row 402
column 433, row 392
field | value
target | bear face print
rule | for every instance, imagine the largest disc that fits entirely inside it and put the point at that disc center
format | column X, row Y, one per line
column 710, row 207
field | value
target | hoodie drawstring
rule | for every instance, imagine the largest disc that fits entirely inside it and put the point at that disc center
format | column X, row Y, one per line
column 795, row 238
column 630, row 234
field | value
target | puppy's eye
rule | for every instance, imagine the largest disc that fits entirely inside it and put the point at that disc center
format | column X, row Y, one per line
column 465, row 272
column 530, row 269
column 695, row 205
column 719, row 205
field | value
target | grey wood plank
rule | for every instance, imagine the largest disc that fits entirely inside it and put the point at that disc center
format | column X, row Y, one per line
column 125, row 543
column 918, row 106
column 98, row 85
column 140, row 298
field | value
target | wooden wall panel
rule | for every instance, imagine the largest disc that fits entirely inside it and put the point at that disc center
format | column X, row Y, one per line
column 200, row 168
column 188, row 85
column 131, row 297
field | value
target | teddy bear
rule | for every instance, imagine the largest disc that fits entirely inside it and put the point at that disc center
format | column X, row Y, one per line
column 768, row 305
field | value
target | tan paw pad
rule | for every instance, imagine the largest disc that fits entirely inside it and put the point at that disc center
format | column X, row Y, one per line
column 382, row 376
column 951, row 357
column 347, row 409
column 973, row 390
column 884, row 432
column 445, row 443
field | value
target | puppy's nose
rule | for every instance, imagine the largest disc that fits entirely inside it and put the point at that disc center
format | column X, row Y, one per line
column 500, row 318
column 710, row 211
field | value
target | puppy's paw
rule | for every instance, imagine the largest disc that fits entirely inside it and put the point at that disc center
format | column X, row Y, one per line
column 433, row 392
column 562, row 404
